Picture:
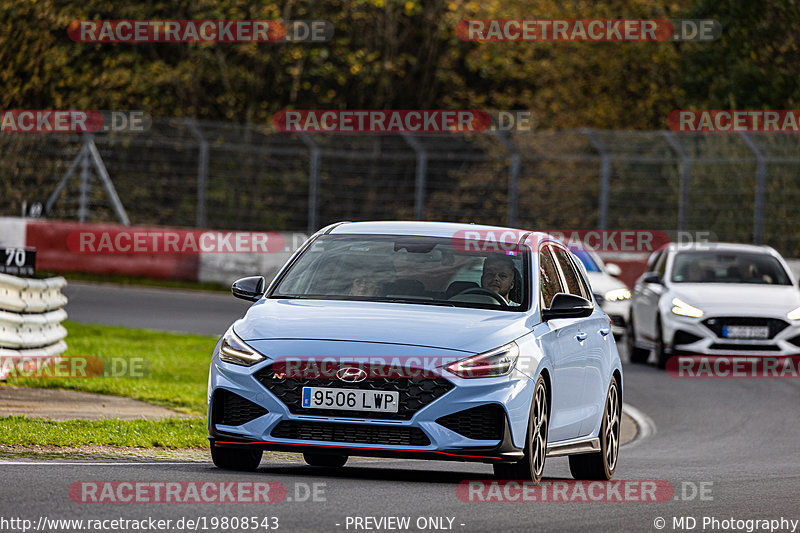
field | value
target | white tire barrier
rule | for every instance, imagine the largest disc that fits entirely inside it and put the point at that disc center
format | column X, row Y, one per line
column 30, row 321
column 31, row 295
column 18, row 330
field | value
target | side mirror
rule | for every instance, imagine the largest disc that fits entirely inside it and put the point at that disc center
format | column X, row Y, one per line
column 251, row 288
column 652, row 277
column 567, row 306
column 613, row 269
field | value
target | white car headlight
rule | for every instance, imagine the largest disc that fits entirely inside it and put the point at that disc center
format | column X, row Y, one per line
column 617, row 295
column 235, row 350
column 793, row 315
column 497, row 362
column 683, row 309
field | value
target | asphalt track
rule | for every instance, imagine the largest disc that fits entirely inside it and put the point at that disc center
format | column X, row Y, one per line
column 728, row 447
column 201, row 312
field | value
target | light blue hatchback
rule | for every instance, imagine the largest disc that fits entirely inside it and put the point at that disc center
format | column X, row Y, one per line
column 420, row 340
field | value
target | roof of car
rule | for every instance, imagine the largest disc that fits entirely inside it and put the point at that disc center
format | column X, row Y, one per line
column 721, row 247
column 428, row 229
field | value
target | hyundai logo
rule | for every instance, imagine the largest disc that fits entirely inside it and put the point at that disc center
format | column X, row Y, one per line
column 351, row 375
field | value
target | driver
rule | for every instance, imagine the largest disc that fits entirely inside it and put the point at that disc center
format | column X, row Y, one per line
column 498, row 275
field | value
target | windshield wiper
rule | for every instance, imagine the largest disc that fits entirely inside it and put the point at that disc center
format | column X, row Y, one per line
column 424, row 301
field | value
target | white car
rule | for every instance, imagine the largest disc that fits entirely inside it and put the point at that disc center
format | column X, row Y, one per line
column 715, row 299
column 612, row 295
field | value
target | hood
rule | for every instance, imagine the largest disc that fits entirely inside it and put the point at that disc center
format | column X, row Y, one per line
column 453, row 328
column 602, row 283
column 738, row 299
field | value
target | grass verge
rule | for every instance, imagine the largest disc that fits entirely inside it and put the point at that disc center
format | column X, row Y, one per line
column 166, row 433
column 174, row 365
column 175, row 376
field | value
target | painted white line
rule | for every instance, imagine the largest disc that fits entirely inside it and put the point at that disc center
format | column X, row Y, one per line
column 90, row 463
column 647, row 428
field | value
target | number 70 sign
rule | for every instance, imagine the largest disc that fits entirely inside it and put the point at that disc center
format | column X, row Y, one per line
column 18, row 261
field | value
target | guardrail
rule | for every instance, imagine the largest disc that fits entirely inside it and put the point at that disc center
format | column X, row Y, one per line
column 30, row 322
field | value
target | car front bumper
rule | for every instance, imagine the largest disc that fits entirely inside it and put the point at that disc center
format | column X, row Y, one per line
column 244, row 412
column 704, row 336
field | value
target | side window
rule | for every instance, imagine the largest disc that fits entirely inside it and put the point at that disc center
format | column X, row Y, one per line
column 568, row 269
column 661, row 265
column 586, row 291
column 652, row 260
column 548, row 276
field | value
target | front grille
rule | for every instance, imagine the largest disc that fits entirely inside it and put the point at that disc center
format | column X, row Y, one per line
column 795, row 340
column 716, row 324
column 230, row 409
column 684, row 337
column 481, row 423
column 745, row 347
column 414, row 393
column 356, row 433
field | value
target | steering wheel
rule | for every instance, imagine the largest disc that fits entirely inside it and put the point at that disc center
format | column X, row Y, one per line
column 486, row 292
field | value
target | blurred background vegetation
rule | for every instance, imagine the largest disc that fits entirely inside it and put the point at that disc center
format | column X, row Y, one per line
column 404, row 54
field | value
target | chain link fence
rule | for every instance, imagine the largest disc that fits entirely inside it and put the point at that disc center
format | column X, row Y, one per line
column 741, row 187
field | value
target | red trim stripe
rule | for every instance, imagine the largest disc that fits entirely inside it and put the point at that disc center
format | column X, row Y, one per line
column 358, row 448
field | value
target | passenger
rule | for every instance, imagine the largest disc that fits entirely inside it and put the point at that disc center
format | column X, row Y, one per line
column 371, row 278
column 363, row 285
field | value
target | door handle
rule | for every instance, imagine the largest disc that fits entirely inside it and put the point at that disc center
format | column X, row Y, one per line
column 580, row 337
column 604, row 332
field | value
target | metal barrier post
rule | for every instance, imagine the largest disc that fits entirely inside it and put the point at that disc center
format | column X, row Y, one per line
column 761, row 182
column 313, row 180
column 513, row 179
column 420, row 175
column 605, row 177
column 684, row 167
column 202, row 172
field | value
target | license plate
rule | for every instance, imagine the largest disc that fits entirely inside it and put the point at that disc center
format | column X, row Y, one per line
column 745, row 332
column 350, row 399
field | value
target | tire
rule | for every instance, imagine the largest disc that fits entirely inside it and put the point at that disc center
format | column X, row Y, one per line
column 636, row 355
column 531, row 467
column 321, row 459
column 601, row 465
column 242, row 459
column 662, row 355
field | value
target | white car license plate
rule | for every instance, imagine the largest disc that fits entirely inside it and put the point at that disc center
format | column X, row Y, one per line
column 745, row 332
column 350, row 399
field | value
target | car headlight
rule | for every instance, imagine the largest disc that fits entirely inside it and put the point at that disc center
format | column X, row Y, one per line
column 617, row 295
column 497, row 362
column 683, row 309
column 793, row 315
column 235, row 350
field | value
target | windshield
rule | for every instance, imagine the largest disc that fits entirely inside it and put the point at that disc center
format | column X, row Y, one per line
column 728, row 267
column 407, row 269
column 586, row 259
